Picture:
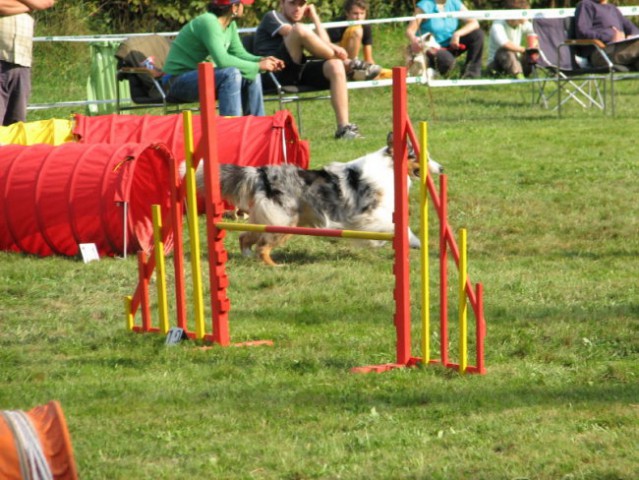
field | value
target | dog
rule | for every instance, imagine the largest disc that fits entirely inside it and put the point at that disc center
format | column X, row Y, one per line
column 357, row 195
column 417, row 63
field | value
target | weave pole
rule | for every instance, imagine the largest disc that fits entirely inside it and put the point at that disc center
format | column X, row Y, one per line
column 194, row 227
column 163, row 303
column 423, row 229
column 463, row 303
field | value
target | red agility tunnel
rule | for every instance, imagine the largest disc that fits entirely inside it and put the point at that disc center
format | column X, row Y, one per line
column 54, row 198
column 245, row 141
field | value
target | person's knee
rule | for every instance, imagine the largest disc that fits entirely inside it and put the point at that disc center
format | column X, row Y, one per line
column 300, row 31
column 444, row 61
column 228, row 77
column 474, row 39
column 234, row 76
column 334, row 69
column 356, row 32
column 258, row 81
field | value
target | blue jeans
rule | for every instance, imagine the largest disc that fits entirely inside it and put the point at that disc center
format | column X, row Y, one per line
column 236, row 95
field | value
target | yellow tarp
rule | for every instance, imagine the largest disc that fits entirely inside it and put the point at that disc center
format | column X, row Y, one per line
column 53, row 132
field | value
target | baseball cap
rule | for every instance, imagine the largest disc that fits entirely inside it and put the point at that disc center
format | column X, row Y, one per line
column 222, row 3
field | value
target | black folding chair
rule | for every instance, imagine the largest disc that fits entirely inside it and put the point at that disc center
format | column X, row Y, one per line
column 572, row 76
column 133, row 57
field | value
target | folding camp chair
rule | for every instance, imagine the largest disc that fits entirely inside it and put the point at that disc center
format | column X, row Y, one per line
column 284, row 94
column 140, row 61
column 572, row 76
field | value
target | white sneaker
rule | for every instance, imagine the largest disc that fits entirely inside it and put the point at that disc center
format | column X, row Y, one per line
column 363, row 70
column 348, row 132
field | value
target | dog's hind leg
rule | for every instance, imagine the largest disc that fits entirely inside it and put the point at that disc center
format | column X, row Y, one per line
column 266, row 244
column 264, row 253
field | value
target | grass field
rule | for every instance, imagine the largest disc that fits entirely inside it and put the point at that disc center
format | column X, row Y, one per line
column 551, row 211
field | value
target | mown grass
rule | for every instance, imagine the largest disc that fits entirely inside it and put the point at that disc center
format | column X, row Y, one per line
column 550, row 208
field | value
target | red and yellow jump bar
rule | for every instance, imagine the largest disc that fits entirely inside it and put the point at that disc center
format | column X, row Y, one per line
column 316, row 232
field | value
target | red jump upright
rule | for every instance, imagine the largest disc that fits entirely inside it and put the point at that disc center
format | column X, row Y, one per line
column 217, row 255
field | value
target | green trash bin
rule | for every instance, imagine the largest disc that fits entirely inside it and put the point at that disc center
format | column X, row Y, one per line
column 101, row 83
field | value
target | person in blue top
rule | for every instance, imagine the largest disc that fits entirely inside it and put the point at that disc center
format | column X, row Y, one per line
column 453, row 36
column 213, row 36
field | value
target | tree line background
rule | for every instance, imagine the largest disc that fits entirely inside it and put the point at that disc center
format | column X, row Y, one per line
column 129, row 16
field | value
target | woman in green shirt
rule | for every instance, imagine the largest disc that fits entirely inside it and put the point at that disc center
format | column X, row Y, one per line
column 213, row 36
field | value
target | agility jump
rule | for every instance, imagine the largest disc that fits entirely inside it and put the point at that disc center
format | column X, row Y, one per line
column 217, row 255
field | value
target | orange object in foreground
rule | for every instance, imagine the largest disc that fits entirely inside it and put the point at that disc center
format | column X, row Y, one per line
column 47, row 422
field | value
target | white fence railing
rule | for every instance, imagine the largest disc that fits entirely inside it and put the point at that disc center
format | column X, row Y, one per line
column 481, row 15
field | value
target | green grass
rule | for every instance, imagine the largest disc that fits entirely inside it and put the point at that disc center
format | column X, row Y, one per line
column 550, row 208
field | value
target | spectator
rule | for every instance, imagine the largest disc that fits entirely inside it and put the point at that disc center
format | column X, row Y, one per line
column 506, row 53
column 16, row 55
column 214, row 34
column 453, row 39
column 597, row 19
column 282, row 33
column 355, row 38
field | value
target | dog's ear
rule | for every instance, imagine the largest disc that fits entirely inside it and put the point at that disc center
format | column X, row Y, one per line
column 390, row 149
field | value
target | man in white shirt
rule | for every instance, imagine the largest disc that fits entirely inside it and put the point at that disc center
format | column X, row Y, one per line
column 506, row 51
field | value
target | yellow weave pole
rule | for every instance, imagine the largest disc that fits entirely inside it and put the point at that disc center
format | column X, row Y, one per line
column 194, row 225
column 127, row 310
column 423, row 234
column 160, row 265
column 463, row 303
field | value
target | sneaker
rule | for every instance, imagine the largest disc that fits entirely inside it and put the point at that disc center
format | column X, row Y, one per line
column 363, row 70
column 348, row 132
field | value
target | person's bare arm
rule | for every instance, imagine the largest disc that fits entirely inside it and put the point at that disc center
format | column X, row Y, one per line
column 513, row 47
column 311, row 14
column 411, row 32
column 285, row 30
column 469, row 25
column 38, row 4
column 368, row 53
column 15, row 7
column 12, row 7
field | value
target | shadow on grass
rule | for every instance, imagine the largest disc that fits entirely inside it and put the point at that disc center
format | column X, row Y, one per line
column 299, row 256
column 476, row 396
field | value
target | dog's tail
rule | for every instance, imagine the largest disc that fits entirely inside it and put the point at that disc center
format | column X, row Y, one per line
column 237, row 183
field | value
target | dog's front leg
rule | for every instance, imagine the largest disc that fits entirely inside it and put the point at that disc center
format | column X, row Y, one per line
column 247, row 240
